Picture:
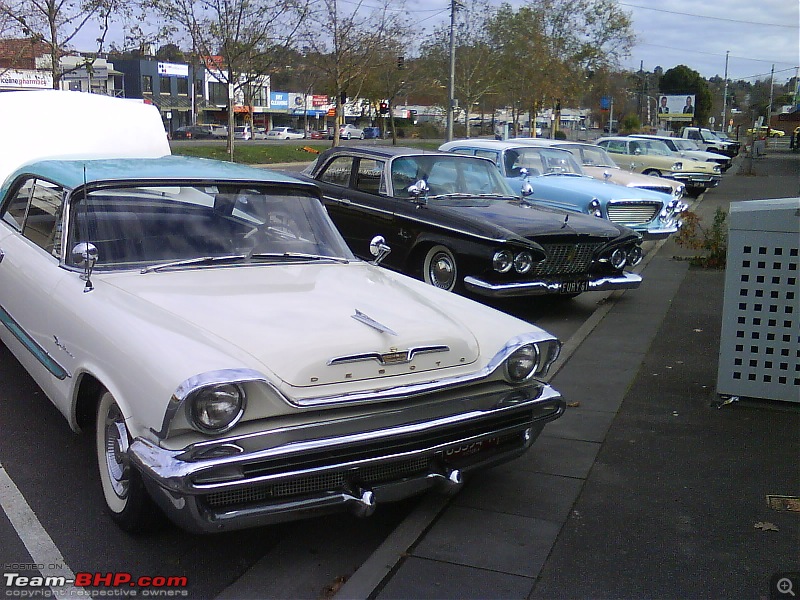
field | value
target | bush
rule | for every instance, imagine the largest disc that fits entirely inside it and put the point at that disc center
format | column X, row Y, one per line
column 559, row 135
column 714, row 240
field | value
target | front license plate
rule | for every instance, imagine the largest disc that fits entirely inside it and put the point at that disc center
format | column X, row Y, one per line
column 471, row 448
column 574, row 287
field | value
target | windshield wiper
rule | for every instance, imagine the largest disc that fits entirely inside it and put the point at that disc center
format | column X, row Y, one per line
column 297, row 256
column 211, row 260
column 199, row 260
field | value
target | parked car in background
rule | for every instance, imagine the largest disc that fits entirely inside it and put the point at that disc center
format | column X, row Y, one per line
column 167, row 306
column 454, row 222
column 690, row 149
column 317, row 135
column 711, row 141
column 350, row 131
column 763, row 131
column 372, row 133
column 245, row 132
column 216, row 131
column 192, row 132
column 653, row 157
column 558, row 181
column 596, row 163
column 285, row 133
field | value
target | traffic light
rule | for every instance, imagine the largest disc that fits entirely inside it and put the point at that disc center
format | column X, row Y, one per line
column 401, row 63
column 384, row 108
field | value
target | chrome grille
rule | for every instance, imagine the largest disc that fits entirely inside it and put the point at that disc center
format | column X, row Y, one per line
column 664, row 189
column 633, row 212
column 566, row 258
column 319, row 482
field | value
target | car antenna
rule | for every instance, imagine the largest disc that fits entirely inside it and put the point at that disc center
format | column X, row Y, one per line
column 86, row 249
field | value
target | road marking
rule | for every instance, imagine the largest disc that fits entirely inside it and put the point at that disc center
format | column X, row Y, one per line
column 43, row 551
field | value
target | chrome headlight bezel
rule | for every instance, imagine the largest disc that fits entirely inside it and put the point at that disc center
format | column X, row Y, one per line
column 530, row 361
column 216, row 408
column 523, row 262
column 503, row 261
column 618, row 258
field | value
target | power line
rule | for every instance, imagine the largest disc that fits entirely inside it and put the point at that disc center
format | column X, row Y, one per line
column 694, row 51
column 685, row 14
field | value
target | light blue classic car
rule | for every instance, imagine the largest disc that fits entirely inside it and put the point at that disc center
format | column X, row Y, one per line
column 559, row 181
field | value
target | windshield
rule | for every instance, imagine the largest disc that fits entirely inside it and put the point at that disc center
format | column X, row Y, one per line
column 655, row 148
column 685, row 145
column 590, row 156
column 136, row 226
column 454, row 175
column 540, row 161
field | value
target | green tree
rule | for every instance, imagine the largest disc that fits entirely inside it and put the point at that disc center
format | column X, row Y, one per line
column 683, row 80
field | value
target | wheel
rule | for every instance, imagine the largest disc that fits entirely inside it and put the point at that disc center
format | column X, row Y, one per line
column 694, row 192
column 347, row 136
column 440, row 269
column 122, row 485
column 652, row 172
column 361, row 137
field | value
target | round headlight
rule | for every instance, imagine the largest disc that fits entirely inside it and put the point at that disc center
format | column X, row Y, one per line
column 677, row 166
column 635, row 256
column 523, row 262
column 618, row 258
column 522, row 363
column 502, row 261
column 216, row 409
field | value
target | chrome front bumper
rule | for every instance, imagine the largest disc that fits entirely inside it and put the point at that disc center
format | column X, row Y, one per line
column 626, row 281
column 250, row 480
column 697, row 179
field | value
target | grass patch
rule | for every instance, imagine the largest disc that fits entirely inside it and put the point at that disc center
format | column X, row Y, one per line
column 269, row 154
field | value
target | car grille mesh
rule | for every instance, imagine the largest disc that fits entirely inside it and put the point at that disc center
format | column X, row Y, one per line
column 566, row 258
column 319, row 482
column 664, row 189
column 633, row 213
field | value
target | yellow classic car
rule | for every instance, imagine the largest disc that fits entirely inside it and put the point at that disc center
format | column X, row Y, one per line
column 765, row 131
column 653, row 157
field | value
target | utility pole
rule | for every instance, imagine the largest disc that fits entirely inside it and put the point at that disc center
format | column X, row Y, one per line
column 451, row 88
column 771, row 88
column 725, row 96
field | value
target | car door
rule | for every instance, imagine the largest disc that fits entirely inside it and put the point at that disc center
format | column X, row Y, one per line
column 30, row 249
column 351, row 192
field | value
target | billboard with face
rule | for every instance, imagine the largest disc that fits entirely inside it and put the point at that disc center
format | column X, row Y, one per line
column 676, row 107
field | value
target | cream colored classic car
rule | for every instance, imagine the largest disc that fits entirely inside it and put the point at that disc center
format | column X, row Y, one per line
column 653, row 157
column 237, row 364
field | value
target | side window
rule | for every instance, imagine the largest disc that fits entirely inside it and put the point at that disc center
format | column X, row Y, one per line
column 490, row 154
column 35, row 211
column 467, row 151
column 369, row 177
column 615, row 146
column 338, row 171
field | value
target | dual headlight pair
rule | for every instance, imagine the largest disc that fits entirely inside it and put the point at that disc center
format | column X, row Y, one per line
column 621, row 257
column 505, row 260
column 531, row 360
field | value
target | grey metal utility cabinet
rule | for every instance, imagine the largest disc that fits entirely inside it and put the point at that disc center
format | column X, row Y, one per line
column 760, row 340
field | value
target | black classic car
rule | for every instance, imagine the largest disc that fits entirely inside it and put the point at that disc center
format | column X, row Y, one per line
column 454, row 222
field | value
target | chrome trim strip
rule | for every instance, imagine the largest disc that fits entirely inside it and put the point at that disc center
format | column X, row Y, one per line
column 172, row 473
column 626, row 281
column 381, row 357
column 402, row 392
column 48, row 362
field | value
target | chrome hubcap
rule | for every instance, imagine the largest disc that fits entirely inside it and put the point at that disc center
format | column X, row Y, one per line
column 442, row 271
column 116, row 445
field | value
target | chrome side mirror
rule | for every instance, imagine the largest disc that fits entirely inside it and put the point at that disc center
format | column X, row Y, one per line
column 606, row 175
column 85, row 255
column 526, row 190
column 379, row 249
column 419, row 191
column 523, row 173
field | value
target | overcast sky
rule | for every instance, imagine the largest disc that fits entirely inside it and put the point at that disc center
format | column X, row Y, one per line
column 757, row 33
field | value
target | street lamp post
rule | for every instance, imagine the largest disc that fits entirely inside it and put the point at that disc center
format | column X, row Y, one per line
column 451, row 88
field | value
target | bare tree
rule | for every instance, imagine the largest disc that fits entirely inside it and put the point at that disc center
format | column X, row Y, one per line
column 55, row 23
column 240, row 40
column 346, row 43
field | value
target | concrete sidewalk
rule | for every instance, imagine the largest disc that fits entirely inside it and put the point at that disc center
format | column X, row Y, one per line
column 647, row 486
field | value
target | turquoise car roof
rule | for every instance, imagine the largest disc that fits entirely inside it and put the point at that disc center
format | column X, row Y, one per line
column 72, row 173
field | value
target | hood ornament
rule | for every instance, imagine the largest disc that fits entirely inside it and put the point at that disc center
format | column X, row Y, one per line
column 369, row 321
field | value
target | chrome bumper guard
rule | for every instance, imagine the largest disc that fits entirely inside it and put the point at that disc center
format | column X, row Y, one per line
column 698, row 179
column 219, row 489
column 626, row 281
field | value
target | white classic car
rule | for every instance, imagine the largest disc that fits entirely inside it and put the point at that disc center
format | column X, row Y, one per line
column 238, row 365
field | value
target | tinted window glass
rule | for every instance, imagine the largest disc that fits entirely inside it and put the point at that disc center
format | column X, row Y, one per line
column 338, row 171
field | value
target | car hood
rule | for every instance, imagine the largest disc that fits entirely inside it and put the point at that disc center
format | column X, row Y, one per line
column 628, row 178
column 512, row 218
column 297, row 321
